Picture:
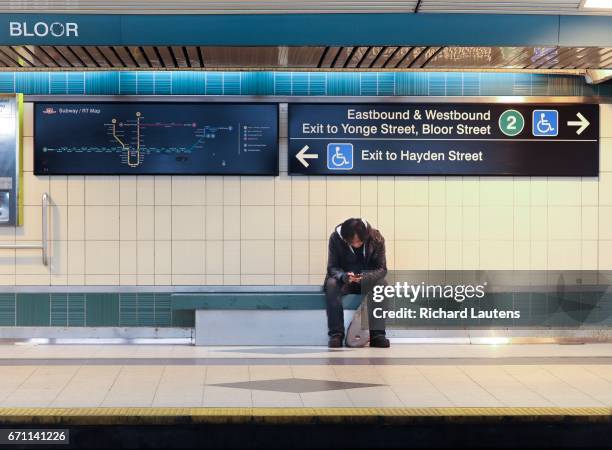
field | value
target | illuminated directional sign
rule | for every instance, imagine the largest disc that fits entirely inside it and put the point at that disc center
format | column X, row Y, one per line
column 156, row 138
column 444, row 139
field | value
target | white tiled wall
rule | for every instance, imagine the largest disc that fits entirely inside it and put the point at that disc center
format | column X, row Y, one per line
column 263, row 230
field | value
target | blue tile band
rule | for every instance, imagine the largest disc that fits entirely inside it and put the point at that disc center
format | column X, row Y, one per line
column 298, row 83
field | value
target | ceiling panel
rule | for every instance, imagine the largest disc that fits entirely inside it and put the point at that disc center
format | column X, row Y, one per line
column 426, row 56
column 26, row 54
column 554, row 58
column 468, row 57
column 515, row 6
column 343, row 56
column 370, row 56
column 308, row 58
column 166, row 56
column 383, row 57
column 138, row 55
column 84, row 56
column 182, row 62
column 198, row 6
column 69, row 56
column 125, row 57
column 594, row 58
column 329, row 56
column 411, row 57
column 153, row 57
column 356, row 57
column 14, row 58
column 284, row 6
column 304, row 56
column 397, row 57
column 233, row 57
column 193, row 55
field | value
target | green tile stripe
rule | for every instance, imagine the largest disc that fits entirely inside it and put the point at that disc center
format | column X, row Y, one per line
column 102, row 310
column 128, row 310
column 59, row 310
column 177, row 310
column 76, row 310
column 7, row 310
column 33, row 310
column 258, row 301
column 183, row 318
column 163, row 314
column 146, row 310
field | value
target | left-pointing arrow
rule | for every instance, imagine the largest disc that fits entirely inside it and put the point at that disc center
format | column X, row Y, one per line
column 302, row 156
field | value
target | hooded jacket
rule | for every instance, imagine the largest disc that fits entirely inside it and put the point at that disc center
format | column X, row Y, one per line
column 340, row 251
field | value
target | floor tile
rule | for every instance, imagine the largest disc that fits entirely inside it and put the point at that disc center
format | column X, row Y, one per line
column 460, row 389
column 504, row 387
column 555, row 390
column 382, row 397
column 217, row 396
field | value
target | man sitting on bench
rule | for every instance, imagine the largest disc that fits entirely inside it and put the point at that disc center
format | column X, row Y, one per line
column 356, row 258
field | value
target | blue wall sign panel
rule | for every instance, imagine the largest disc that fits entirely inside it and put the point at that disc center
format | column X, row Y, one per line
column 156, row 138
column 60, row 29
column 444, row 139
column 292, row 29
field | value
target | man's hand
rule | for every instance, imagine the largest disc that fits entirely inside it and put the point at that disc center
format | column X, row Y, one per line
column 352, row 278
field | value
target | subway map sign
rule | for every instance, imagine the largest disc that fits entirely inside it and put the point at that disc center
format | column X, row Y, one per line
column 156, row 138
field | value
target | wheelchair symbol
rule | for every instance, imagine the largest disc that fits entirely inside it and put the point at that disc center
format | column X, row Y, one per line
column 545, row 122
column 339, row 156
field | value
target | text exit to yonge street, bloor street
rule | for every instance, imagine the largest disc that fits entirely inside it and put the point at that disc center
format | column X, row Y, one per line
column 444, row 139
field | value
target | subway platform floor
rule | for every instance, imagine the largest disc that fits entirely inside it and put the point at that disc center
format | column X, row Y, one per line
column 406, row 377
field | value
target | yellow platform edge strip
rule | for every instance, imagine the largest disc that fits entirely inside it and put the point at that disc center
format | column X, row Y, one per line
column 283, row 415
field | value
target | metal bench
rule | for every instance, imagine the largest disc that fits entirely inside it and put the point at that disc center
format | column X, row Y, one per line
column 260, row 318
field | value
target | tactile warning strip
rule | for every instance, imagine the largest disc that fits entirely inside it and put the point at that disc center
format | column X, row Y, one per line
column 108, row 416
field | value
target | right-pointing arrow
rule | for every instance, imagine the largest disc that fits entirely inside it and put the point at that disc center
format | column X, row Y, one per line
column 583, row 123
column 302, row 156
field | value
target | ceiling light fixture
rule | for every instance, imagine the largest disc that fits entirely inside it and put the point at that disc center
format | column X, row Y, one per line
column 597, row 4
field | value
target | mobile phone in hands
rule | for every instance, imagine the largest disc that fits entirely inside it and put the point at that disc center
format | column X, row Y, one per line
column 354, row 277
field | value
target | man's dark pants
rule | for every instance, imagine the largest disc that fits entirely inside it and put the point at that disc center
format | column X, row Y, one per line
column 334, row 291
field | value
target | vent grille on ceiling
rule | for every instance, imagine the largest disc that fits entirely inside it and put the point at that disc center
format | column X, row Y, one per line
column 29, row 57
column 283, row 6
column 186, row 6
column 483, row 6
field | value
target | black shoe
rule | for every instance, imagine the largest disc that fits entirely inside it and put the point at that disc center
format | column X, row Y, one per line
column 335, row 341
column 380, row 341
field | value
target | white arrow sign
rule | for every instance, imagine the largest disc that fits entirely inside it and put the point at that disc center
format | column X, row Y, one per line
column 583, row 123
column 302, row 156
